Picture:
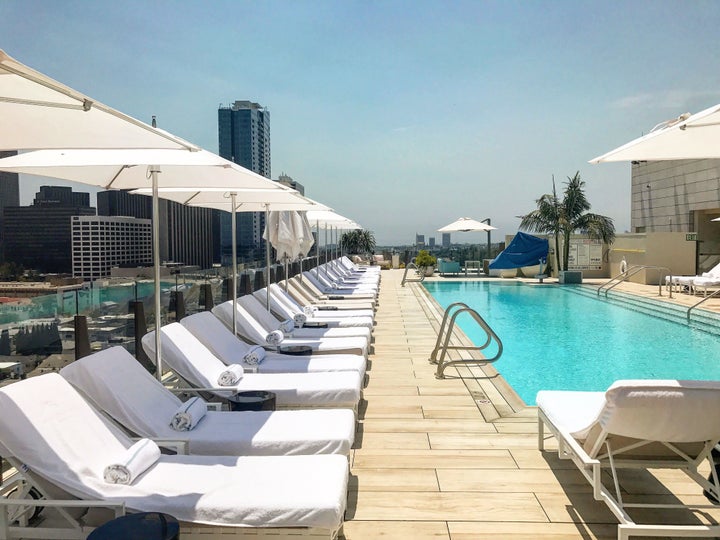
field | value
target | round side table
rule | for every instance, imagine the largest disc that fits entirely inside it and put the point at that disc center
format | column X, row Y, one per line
column 252, row 400
column 140, row 526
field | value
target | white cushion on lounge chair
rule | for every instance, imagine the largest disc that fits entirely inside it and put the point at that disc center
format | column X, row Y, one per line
column 230, row 349
column 251, row 329
column 657, row 410
column 269, row 322
column 189, row 358
column 49, row 427
column 285, row 305
column 116, row 383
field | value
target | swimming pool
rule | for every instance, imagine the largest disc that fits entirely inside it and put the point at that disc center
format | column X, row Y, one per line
column 556, row 339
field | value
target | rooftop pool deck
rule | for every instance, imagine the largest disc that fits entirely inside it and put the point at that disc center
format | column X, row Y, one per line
column 457, row 458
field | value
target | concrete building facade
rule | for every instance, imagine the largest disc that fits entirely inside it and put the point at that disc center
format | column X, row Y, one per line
column 244, row 138
column 188, row 234
column 100, row 243
column 679, row 196
column 39, row 236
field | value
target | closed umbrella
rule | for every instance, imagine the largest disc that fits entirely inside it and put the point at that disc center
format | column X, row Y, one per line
column 141, row 168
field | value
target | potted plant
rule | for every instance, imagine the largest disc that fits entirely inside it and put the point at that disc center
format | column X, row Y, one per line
column 425, row 262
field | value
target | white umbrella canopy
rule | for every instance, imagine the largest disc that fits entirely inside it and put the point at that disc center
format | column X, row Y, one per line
column 39, row 112
column 128, row 168
column 137, row 168
column 466, row 224
column 688, row 136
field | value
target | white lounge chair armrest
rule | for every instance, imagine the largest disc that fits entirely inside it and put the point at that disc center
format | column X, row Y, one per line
column 577, row 449
column 119, row 506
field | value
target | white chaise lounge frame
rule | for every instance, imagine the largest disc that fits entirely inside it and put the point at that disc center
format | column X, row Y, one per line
column 609, row 458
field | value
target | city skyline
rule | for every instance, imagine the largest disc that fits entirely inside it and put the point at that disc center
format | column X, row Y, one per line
column 401, row 115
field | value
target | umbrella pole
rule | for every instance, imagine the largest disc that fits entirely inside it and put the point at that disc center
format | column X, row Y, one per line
column 317, row 250
column 233, row 221
column 156, row 270
column 267, row 257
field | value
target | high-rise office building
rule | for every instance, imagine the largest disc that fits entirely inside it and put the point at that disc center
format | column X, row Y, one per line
column 100, row 243
column 9, row 194
column 39, row 236
column 186, row 232
column 431, row 242
column 244, row 138
column 446, row 239
column 419, row 240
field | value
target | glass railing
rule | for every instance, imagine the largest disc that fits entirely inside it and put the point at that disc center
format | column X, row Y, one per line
column 38, row 333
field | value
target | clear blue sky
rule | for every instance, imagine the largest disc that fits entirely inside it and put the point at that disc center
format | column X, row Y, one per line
column 403, row 115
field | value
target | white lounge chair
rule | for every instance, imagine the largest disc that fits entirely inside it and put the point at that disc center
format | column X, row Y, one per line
column 252, row 331
column 118, row 385
column 703, row 281
column 284, row 306
column 636, row 424
column 197, row 365
column 61, row 446
column 217, row 337
column 327, row 286
column 269, row 322
column 305, row 293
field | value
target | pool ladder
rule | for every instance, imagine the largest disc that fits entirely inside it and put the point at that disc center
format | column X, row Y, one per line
column 418, row 271
column 617, row 280
column 442, row 345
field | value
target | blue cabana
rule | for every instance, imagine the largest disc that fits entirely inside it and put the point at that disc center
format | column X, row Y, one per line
column 524, row 250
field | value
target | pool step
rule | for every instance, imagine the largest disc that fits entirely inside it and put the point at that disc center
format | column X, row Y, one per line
column 701, row 319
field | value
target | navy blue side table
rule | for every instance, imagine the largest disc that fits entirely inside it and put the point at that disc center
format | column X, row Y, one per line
column 141, row 526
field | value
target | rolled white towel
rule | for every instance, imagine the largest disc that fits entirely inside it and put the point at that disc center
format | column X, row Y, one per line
column 274, row 338
column 299, row 319
column 255, row 355
column 334, row 285
column 189, row 414
column 287, row 326
column 232, row 374
column 309, row 311
column 136, row 460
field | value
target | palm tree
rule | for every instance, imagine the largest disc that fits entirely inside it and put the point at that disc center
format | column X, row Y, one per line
column 358, row 241
column 557, row 217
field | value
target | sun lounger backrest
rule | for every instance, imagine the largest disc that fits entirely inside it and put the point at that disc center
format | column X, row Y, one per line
column 276, row 306
column 656, row 410
column 672, row 411
column 216, row 336
column 247, row 326
column 117, row 383
column 258, row 311
column 186, row 355
column 48, row 426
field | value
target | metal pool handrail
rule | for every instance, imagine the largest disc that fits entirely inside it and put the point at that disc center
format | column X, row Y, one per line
column 442, row 345
column 405, row 279
column 617, row 280
column 715, row 293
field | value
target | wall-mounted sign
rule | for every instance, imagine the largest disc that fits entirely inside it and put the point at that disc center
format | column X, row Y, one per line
column 691, row 237
column 585, row 254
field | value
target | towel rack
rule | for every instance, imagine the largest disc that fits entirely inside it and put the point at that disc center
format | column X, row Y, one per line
column 442, row 345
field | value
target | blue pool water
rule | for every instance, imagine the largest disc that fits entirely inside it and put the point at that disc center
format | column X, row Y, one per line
column 556, row 339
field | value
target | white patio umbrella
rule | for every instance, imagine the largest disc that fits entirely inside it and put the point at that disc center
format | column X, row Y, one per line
column 40, row 112
column 466, row 224
column 141, row 168
column 688, row 136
